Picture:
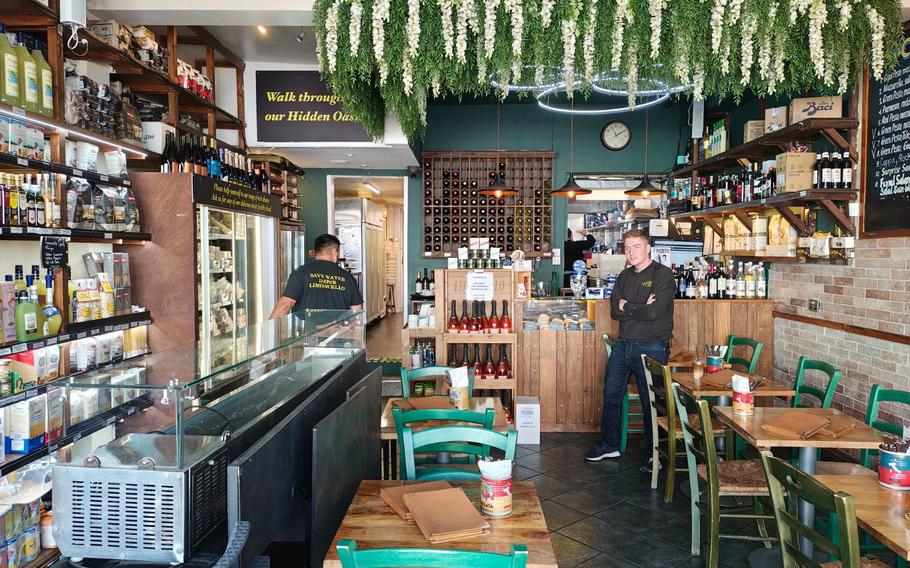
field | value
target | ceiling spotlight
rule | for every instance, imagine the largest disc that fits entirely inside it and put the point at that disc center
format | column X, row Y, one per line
column 262, row 29
column 372, row 187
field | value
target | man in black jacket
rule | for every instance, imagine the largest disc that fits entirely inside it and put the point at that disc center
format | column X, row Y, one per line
column 642, row 302
column 572, row 251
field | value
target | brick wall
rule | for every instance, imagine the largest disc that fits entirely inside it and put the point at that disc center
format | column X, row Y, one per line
column 873, row 293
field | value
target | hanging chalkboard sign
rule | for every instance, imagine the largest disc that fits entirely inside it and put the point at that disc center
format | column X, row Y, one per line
column 54, row 251
column 886, row 183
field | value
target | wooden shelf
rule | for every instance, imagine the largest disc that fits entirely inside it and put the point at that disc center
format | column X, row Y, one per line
column 802, row 131
column 419, row 332
column 28, row 13
column 495, row 384
column 752, row 254
column 827, row 199
column 15, row 162
column 75, row 235
column 480, row 337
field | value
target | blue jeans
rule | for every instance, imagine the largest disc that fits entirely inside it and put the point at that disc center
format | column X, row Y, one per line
column 626, row 359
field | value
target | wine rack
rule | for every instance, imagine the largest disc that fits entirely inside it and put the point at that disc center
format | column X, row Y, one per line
column 455, row 213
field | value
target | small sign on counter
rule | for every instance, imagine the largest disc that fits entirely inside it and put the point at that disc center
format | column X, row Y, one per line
column 479, row 286
column 54, row 251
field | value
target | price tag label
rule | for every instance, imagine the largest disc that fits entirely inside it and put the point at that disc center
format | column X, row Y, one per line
column 15, row 230
column 108, row 328
column 22, row 161
column 5, row 352
column 31, row 393
column 126, row 182
column 112, row 419
column 130, row 411
column 20, row 348
column 40, row 231
column 108, row 235
column 77, row 436
column 14, row 399
column 37, row 345
column 52, row 341
column 53, row 448
column 80, row 335
column 19, row 111
column 77, row 173
column 103, row 177
column 145, row 322
column 122, row 326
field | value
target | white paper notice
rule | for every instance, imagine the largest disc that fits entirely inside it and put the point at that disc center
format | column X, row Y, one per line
column 479, row 286
column 659, row 227
column 557, row 256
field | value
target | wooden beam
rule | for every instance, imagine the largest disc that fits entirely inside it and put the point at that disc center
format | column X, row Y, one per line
column 744, row 219
column 714, row 226
column 190, row 40
column 793, row 219
column 172, row 96
column 854, row 329
column 210, row 74
column 241, row 108
column 837, row 215
column 207, row 37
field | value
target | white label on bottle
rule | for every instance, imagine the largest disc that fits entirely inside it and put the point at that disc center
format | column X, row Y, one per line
column 835, row 175
column 846, row 176
column 826, row 175
column 740, row 288
column 11, row 80
column 750, row 288
column 31, row 322
column 31, row 82
column 761, row 288
column 47, row 90
column 712, row 287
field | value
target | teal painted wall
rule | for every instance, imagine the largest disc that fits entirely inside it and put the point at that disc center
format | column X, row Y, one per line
column 524, row 126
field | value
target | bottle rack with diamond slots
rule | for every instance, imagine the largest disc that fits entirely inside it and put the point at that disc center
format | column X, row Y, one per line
column 455, row 209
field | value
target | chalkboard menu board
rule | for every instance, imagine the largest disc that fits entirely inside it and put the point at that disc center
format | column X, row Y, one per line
column 886, row 199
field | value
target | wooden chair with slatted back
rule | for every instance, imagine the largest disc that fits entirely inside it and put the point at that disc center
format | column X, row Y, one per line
column 482, row 419
column 750, row 364
column 408, row 375
column 825, row 395
column 462, row 439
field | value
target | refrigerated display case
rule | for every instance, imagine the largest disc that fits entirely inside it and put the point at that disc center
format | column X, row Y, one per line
column 291, row 251
column 360, row 226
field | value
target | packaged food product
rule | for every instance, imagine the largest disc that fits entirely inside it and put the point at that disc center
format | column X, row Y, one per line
column 13, row 553
column 116, row 347
column 80, row 212
column 86, row 350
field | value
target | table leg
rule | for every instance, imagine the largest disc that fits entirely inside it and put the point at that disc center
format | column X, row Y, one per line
column 807, row 458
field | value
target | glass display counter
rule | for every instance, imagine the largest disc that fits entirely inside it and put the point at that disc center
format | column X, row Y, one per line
column 568, row 313
column 173, row 420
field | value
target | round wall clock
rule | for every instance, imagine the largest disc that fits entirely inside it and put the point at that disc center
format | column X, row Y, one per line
column 615, row 135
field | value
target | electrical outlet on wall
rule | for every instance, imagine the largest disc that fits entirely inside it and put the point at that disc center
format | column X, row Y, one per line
column 813, row 305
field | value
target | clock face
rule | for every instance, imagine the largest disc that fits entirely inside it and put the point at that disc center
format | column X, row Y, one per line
column 615, row 135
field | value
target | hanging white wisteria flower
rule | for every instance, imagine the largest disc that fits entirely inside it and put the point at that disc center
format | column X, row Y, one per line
column 733, row 12
column 472, row 10
column 422, row 107
column 587, row 44
column 764, row 50
column 546, row 12
column 698, row 83
column 516, row 11
column 481, row 66
column 538, row 74
column 445, row 9
column 354, row 27
column 632, row 82
column 797, row 8
column 745, row 48
column 331, row 36
column 843, row 76
column 725, row 58
column 845, row 8
column 717, row 24
column 878, row 43
column 829, row 71
column 379, row 19
column 622, row 15
column 461, row 34
column 489, row 26
column 681, row 64
column 656, row 9
column 413, row 44
column 818, row 15
column 569, row 27
column 436, row 85
column 779, row 59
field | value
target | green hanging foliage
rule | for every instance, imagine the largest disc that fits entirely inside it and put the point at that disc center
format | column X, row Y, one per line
column 404, row 51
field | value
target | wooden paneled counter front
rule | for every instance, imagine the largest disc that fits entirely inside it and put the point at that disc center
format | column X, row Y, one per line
column 565, row 369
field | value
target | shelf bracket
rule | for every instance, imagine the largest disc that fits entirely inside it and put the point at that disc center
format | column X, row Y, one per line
column 837, row 139
column 793, row 219
column 744, row 162
column 744, row 219
column 837, row 215
column 714, row 226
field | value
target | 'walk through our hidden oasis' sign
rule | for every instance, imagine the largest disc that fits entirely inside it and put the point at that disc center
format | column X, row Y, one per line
column 296, row 106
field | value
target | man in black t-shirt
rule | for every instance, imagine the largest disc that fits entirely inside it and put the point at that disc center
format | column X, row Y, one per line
column 321, row 284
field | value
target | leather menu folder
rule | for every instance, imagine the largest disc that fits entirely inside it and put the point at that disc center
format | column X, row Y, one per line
column 424, row 403
column 393, row 496
column 796, row 424
column 445, row 515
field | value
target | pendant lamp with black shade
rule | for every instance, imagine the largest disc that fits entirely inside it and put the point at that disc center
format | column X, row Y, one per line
column 646, row 188
column 571, row 189
column 498, row 188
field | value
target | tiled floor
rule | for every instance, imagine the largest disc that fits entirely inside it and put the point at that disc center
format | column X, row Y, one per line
column 384, row 337
column 605, row 513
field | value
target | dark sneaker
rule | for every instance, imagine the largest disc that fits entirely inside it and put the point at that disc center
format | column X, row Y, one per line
column 600, row 452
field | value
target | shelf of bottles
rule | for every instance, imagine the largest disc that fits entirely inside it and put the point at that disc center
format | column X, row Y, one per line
column 716, row 281
column 201, row 155
column 455, row 214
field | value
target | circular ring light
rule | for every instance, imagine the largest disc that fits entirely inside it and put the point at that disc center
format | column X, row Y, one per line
column 552, row 76
column 661, row 86
column 664, row 95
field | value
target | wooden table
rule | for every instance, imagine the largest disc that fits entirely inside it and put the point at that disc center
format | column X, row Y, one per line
column 768, row 387
column 750, row 428
column 879, row 510
column 389, row 436
column 373, row 524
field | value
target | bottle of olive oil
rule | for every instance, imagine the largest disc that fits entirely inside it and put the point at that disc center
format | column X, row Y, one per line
column 28, row 78
column 9, row 65
column 45, row 84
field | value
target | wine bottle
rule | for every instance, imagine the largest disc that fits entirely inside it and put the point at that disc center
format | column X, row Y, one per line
column 484, row 325
column 505, row 323
column 464, row 355
column 478, row 362
column 489, row 370
column 475, row 322
column 425, row 282
column 502, row 369
column 453, row 320
column 418, row 284
column 453, row 357
column 493, row 324
column 465, row 323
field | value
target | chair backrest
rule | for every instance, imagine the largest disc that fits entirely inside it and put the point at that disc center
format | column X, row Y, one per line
column 410, row 441
column 749, row 364
column 351, row 557
column 798, row 485
column 877, row 396
column 425, row 372
column 484, row 419
column 608, row 344
column 699, row 439
column 824, row 396
column 660, row 393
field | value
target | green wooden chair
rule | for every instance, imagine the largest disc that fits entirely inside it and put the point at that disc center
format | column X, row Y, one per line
column 729, row 478
column 351, row 557
column 464, row 440
column 749, row 364
column 784, row 477
column 664, row 418
column 427, row 372
column 627, row 399
column 826, row 395
column 482, row 419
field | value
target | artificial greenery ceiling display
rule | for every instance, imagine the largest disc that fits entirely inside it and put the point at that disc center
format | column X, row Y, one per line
column 396, row 53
